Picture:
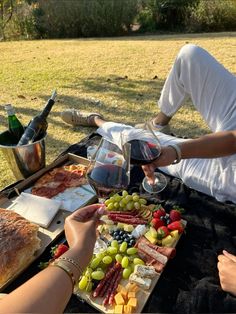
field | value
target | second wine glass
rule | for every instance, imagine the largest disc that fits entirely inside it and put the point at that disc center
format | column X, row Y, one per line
column 145, row 148
column 109, row 169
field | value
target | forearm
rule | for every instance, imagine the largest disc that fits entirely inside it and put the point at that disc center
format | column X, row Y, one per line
column 47, row 292
column 214, row 145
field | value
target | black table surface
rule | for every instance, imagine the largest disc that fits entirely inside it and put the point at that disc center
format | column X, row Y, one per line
column 189, row 282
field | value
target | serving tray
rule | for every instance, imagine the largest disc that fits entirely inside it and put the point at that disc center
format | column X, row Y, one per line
column 56, row 228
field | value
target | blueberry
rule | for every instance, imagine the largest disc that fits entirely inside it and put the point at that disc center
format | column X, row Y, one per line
column 162, row 218
column 168, row 221
column 119, row 241
column 132, row 242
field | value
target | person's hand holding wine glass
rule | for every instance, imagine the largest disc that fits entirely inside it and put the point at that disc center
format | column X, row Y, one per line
column 167, row 157
column 146, row 151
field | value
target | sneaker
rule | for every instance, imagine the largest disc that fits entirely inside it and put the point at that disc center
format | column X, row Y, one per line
column 162, row 128
column 76, row 117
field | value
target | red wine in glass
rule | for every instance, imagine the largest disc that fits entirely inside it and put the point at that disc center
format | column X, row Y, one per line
column 107, row 178
column 143, row 152
column 145, row 148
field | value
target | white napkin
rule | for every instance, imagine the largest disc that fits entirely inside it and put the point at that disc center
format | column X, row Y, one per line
column 112, row 131
column 76, row 197
column 119, row 133
column 37, row 209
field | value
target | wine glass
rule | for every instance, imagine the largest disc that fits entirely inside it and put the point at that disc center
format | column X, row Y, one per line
column 109, row 169
column 145, row 148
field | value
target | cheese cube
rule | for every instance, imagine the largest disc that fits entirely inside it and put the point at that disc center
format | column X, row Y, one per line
column 128, row 309
column 119, row 299
column 119, row 288
column 131, row 287
column 131, row 294
column 124, row 292
column 132, row 302
column 118, row 309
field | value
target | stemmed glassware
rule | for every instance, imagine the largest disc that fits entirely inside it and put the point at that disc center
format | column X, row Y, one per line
column 145, row 148
column 109, row 169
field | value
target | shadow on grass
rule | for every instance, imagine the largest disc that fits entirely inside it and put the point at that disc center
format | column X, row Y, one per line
column 120, row 87
column 135, row 96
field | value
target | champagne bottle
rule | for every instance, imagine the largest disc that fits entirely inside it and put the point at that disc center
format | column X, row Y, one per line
column 15, row 127
column 37, row 127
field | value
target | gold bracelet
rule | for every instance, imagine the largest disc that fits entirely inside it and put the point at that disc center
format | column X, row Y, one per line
column 66, row 269
column 71, row 261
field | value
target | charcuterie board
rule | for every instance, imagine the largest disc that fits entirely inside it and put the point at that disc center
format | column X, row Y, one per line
column 147, row 247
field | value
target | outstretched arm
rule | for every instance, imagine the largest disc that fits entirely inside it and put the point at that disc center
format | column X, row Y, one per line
column 50, row 290
column 213, row 145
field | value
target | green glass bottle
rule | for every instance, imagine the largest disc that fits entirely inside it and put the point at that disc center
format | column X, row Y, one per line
column 15, row 127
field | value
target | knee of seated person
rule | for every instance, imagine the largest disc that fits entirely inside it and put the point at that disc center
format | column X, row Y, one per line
column 190, row 52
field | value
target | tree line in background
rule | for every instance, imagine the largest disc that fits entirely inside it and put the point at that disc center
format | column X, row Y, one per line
column 96, row 18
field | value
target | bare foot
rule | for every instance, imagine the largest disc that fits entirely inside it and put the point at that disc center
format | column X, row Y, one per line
column 98, row 120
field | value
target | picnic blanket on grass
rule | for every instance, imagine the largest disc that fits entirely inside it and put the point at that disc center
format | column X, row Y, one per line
column 190, row 282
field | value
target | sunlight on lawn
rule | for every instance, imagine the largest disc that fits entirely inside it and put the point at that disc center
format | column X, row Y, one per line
column 125, row 74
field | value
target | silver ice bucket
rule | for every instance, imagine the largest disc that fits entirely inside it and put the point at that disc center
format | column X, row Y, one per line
column 23, row 160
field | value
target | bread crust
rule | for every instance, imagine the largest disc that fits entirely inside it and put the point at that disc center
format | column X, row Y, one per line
column 18, row 243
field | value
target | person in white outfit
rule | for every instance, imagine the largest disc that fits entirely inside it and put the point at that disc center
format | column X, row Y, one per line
column 206, row 164
column 212, row 89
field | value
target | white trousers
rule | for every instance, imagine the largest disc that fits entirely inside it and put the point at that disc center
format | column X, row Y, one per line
column 212, row 90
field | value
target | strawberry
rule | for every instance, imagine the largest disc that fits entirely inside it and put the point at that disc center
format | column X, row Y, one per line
column 162, row 232
column 176, row 225
column 158, row 213
column 58, row 250
column 175, row 215
column 156, row 223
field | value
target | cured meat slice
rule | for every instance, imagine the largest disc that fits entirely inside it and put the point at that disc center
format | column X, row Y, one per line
column 59, row 179
column 169, row 252
column 150, row 261
column 153, row 253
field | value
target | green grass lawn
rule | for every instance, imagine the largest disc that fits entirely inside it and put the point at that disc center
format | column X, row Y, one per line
column 126, row 74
